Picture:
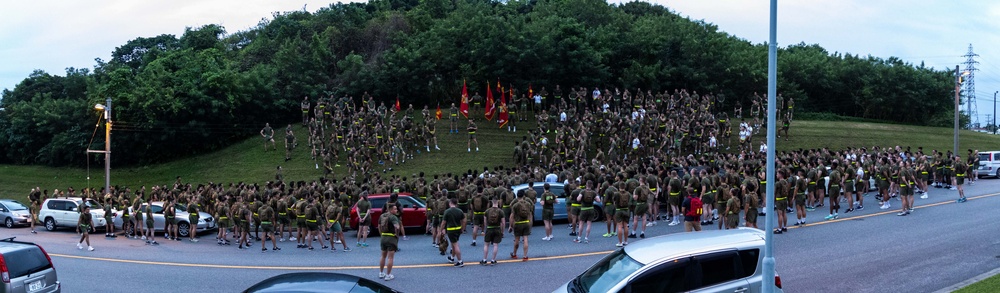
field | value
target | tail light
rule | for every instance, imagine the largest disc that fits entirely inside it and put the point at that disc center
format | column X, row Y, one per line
column 3, row 270
column 777, row 281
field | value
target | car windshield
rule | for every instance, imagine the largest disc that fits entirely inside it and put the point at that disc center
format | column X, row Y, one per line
column 14, row 205
column 603, row 276
column 984, row 157
column 93, row 204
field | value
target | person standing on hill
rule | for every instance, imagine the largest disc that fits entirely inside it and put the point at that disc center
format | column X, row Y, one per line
column 268, row 134
column 289, row 142
column 472, row 136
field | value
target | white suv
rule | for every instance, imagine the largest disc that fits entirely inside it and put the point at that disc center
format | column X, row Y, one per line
column 707, row 261
column 65, row 212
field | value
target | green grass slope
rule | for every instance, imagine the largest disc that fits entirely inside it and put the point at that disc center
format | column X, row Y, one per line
column 248, row 162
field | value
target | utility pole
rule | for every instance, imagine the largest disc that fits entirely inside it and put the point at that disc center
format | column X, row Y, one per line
column 772, row 85
column 995, row 112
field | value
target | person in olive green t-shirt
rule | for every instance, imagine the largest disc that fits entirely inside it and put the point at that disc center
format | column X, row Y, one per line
column 454, row 220
column 364, row 219
column 388, row 226
column 548, row 204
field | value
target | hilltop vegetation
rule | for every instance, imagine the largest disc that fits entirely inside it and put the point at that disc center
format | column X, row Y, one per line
column 209, row 88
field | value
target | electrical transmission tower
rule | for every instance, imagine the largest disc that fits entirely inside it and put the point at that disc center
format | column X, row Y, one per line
column 970, row 87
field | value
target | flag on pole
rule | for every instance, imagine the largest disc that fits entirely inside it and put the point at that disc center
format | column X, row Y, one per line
column 397, row 104
column 490, row 107
column 531, row 93
column 464, row 108
column 438, row 113
column 502, row 120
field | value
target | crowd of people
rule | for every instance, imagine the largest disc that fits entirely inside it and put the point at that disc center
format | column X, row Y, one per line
column 638, row 159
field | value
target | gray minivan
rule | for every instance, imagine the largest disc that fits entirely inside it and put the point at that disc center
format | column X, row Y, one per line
column 26, row 267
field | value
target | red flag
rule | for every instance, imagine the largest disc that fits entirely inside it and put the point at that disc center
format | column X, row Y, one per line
column 438, row 113
column 503, row 109
column 397, row 104
column 464, row 108
column 489, row 103
column 531, row 93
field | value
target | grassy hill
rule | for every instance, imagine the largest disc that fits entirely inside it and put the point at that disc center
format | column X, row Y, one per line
column 248, row 162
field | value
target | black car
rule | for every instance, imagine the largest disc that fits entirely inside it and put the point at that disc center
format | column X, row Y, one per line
column 318, row 282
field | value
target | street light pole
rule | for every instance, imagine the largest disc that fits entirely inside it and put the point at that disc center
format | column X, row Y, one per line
column 958, row 85
column 772, row 85
column 995, row 112
column 107, row 146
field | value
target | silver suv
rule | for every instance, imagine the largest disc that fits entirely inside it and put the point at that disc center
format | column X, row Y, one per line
column 65, row 212
column 707, row 261
column 26, row 267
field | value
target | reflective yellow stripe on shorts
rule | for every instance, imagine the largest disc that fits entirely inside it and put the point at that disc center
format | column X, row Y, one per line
column 454, row 228
column 575, row 205
column 331, row 221
column 311, row 221
column 389, row 234
column 479, row 213
column 522, row 222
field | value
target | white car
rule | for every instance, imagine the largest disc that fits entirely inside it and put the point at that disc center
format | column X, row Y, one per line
column 707, row 261
column 205, row 221
column 65, row 212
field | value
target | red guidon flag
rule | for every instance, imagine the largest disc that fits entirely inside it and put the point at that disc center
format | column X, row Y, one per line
column 502, row 120
column 397, row 104
column 490, row 104
column 438, row 113
column 464, row 107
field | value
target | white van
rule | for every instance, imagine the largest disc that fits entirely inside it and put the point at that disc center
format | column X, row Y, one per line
column 989, row 164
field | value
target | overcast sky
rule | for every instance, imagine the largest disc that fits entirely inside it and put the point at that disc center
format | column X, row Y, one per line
column 53, row 35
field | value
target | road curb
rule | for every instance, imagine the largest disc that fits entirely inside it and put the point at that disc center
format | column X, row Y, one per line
column 968, row 282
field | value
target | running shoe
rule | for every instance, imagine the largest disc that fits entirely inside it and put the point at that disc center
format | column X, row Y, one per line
column 829, row 217
column 389, row 277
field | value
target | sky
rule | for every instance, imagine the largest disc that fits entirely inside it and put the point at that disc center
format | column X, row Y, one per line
column 54, row 35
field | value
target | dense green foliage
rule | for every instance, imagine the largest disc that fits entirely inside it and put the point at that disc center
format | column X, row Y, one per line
column 182, row 96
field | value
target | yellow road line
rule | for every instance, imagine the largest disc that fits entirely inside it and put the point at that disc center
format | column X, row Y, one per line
column 305, row 268
column 890, row 212
column 315, row 268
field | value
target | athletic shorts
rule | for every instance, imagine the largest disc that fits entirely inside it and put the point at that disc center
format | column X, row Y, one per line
column 225, row 223
column 493, row 235
column 834, row 191
column 389, row 243
column 548, row 214
column 149, row 223
column 609, row 212
column 478, row 219
column 732, row 220
column 312, row 227
column 621, row 215
column 267, row 228
column 641, row 209
column 674, row 200
column 800, row 200
column 335, row 227
column 367, row 221
column 751, row 216
column 454, row 235
column 283, row 220
column 959, row 180
column 850, row 187
column 522, row 229
column 781, row 205
column 708, row 198
column 575, row 211
column 588, row 215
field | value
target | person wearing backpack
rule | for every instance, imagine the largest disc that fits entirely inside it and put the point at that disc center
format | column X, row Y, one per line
column 692, row 210
column 587, row 198
column 494, row 220
column 521, row 223
column 621, row 216
column 479, row 207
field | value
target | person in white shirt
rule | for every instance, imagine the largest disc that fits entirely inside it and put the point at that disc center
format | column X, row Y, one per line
column 763, row 147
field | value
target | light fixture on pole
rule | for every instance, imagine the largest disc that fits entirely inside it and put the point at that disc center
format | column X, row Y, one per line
column 107, row 143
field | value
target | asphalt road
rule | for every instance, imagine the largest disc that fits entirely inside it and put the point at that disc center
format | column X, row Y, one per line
column 940, row 244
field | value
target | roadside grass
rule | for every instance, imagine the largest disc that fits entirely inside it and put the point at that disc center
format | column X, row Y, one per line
column 247, row 161
column 988, row 285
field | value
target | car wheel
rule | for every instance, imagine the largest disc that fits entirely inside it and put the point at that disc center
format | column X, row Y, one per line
column 183, row 229
column 50, row 224
column 9, row 223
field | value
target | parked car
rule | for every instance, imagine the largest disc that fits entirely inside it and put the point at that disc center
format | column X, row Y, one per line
column 26, row 267
column 14, row 213
column 414, row 211
column 205, row 220
column 559, row 209
column 989, row 164
column 306, row 282
column 707, row 261
column 65, row 212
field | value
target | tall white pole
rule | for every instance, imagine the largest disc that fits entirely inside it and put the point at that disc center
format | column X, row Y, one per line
column 107, row 147
column 772, row 85
column 958, row 85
